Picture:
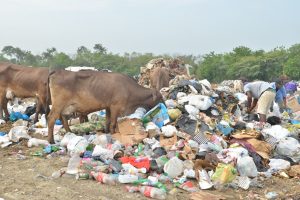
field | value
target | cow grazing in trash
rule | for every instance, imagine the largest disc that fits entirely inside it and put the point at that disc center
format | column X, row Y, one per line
column 85, row 92
column 21, row 81
column 160, row 78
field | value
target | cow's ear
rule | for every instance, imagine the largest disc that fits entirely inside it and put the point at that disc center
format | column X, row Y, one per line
column 154, row 95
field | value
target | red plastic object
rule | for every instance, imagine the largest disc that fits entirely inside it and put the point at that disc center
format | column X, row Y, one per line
column 138, row 163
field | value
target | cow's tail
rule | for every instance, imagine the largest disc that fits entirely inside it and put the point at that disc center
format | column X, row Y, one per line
column 48, row 95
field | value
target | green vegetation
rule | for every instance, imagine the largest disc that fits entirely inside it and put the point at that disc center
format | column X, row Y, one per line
column 242, row 61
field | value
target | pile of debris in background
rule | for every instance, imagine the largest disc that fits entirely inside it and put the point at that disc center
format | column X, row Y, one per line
column 175, row 66
column 200, row 139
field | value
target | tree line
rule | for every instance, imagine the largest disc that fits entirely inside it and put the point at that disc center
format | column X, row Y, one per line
column 216, row 67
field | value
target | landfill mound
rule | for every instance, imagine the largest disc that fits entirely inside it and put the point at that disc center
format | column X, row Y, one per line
column 199, row 139
column 175, row 66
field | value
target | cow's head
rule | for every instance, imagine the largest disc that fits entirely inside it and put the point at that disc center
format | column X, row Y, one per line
column 156, row 96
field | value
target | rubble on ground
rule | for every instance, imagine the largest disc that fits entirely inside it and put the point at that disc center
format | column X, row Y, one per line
column 200, row 139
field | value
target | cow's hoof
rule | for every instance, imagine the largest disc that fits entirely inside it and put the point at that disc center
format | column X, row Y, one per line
column 51, row 141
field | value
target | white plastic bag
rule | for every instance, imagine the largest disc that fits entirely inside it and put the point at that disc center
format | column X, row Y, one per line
column 77, row 144
column 276, row 131
column 169, row 130
column 18, row 132
column 20, row 122
column 42, row 123
column 4, row 141
column 201, row 102
column 174, row 167
column 192, row 110
column 66, row 139
column 34, row 142
column 102, row 140
column 246, row 166
column 170, row 103
column 289, row 147
column 279, row 164
column 241, row 97
column 103, row 152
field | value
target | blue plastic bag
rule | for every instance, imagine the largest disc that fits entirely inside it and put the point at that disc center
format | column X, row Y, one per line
column 58, row 122
column 226, row 130
column 2, row 133
column 14, row 116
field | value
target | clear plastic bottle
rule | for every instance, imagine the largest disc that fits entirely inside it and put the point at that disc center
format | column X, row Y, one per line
column 127, row 178
column 104, row 178
column 163, row 178
column 57, row 174
column 73, row 164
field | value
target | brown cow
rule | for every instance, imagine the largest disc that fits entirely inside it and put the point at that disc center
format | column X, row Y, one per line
column 21, row 81
column 160, row 78
column 85, row 92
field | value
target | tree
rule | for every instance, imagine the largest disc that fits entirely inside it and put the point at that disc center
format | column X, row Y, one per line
column 82, row 50
column 61, row 60
column 99, row 48
column 242, row 51
column 47, row 57
column 14, row 54
column 292, row 65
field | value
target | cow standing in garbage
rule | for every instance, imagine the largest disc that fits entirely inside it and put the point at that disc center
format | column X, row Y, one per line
column 21, row 81
column 85, row 92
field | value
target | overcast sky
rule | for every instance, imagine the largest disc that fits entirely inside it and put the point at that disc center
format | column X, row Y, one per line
column 157, row 26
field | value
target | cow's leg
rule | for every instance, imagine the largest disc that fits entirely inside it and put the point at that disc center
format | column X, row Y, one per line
column 83, row 118
column 107, row 120
column 114, row 113
column 2, row 97
column 37, row 111
column 53, row 115
column 4, row 107
column 1, row 112
column 65, row 123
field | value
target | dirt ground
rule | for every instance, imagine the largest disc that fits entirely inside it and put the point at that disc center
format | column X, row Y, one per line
column 31, row 179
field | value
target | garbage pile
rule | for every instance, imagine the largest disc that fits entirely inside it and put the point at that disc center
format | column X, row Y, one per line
column 198, row 139
column 175, row 66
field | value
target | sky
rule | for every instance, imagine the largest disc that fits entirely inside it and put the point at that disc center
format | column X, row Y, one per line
column 149, row 26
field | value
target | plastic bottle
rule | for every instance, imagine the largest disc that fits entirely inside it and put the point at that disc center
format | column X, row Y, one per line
column 153, row 192
column 163, row 178
column 73, row 164
column 58, row 173
column 187, row 186
column 127, row 178
column 104, row 178
column 36, row 142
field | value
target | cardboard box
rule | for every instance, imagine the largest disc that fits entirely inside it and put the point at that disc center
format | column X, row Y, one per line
column 131, row 131
column 293, row 103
